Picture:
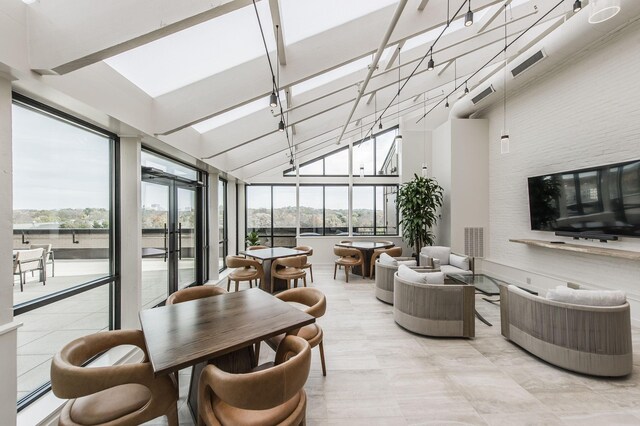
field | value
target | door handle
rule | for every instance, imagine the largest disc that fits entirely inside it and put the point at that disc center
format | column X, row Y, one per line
column 166, row 235
column 180, row 240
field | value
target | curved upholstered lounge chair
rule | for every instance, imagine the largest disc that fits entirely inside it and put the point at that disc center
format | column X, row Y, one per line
column 384, row 278
column 434, row 309
column 588, row 339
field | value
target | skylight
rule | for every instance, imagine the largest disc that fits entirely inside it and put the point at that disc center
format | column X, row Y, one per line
column 233, row 115
column 197, row 52
column 431, row 35
column 329, row 76
column 305, row 18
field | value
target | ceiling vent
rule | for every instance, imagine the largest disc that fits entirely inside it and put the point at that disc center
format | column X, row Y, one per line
column 480, row 96
column 531, row 61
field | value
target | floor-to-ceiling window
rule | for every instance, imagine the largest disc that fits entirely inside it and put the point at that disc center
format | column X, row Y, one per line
column 64, row 221
column 173, row 227
column 223, row 232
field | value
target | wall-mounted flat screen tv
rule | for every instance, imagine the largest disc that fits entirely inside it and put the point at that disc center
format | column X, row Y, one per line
column 598, row 200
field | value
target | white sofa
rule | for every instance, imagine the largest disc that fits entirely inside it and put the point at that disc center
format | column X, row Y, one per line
column 440, row 257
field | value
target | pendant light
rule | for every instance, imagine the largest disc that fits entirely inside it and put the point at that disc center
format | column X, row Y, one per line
column 504, row 137
column 273, row 99
column 602, row 10
column 361, row 142
column 281, row 125
column 430, row 64
column 468, row 18
column 466, row 88
column 399, row 136
column 577, row 6
column 446, row 105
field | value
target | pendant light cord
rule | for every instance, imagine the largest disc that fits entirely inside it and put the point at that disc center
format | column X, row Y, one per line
column 504, row 129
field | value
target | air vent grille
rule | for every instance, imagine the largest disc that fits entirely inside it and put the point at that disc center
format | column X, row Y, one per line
column 480, row 96
column 474, row 242
column 533, row 59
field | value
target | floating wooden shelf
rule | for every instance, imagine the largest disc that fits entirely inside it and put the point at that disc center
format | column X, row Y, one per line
column 577, row 248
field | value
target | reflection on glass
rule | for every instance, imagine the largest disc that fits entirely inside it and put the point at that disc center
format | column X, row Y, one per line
column 61, row 202
column 337, row 163
column 362, row 210
column 363, row 156
column 336, row 210
column 46, row 330
column 386, row 154
column 386, row 212
column 259, row 212
column 155, row 222
column 285, row 213
column 186, row 237
column 149, row 159
column 311, row 210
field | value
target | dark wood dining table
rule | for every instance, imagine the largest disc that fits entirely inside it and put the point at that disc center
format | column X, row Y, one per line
column 367, row 248
column 267, row 256
column 220, row 330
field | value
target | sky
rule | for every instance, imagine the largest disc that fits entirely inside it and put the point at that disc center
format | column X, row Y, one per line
column 57, row 165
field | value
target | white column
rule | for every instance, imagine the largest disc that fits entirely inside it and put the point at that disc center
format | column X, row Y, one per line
column 232, row 223
column 214, row 239
column 130, row 231
column 8, row 334
column 241, row 224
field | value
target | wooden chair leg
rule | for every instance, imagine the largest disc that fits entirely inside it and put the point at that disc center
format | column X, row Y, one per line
column 372, row 270
column 228, row 284
column 256, row 350
column 324, row 367
column 311, row 270
column 304, row 280
column 346, row 272
column 271, row 284
column 237, row 285
column 335, row 269
column 172, row 415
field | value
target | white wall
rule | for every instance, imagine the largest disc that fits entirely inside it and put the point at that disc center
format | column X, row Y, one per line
column 585, row 114
column 441, row 171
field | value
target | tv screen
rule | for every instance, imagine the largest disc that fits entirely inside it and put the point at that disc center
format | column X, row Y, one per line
column 598, row 200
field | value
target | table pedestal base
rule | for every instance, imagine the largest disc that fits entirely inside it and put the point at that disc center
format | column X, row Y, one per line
column 240, row 361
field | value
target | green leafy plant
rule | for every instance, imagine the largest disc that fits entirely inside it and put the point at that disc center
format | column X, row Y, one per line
column 253, row 239
column 418, row 202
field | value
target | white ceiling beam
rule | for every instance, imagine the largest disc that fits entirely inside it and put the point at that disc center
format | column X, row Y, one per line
column 422, row 5
column 444, row 67
column 274, row 8
column 69, row 36
column 492, row 14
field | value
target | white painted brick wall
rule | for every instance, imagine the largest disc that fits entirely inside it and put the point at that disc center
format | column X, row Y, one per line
column 585, row 114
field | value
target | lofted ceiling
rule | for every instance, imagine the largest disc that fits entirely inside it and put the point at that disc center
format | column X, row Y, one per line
column 194, row 73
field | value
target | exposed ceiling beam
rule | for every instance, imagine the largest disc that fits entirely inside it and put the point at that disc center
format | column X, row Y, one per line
column 422, row 5
column 381, row 47
column 492, row 14
column 274, row 8
column 93, row 22
column 444, row 67
column 394, row 55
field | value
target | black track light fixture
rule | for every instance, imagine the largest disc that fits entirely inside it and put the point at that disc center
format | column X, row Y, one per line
column 431, row 65
column 281, row 126
column 273, row 100
column 380, row 125
column 577, row 5
column 468, row 18
column 446, row 105
column 466, row 89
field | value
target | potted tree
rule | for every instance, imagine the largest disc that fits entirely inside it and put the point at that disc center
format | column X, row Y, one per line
column 418, row 202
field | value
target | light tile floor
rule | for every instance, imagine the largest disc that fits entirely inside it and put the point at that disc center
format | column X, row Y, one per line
column 381, row 374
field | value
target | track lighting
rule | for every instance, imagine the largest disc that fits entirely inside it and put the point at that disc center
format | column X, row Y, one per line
column 273, row 100
column 468, row 18
column 466, row 89
column 446, row 105
column 380, row 125
column 430, row 64
column 281, row 126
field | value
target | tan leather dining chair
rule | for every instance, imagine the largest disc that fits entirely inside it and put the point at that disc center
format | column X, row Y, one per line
column 193, row 293
column 245, row 270
column 309, row 252
column 289, row 269
column 392, row 251
column 348, row 257
column 268, row 396
column 316, row 306
column 126, row 394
